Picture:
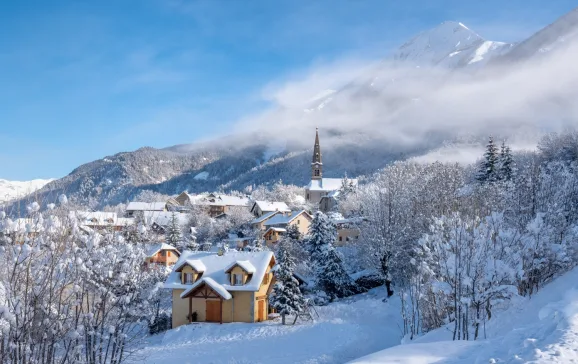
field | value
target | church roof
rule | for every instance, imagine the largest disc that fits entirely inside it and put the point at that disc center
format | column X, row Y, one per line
column 316, row 150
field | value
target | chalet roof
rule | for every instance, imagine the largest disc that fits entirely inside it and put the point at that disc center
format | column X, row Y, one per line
column 146, row 206
column 211, row 283
column 267, row 206
column 328, row 184
column 216, row 266
column 98, row 218
column 284, row 219
column 153, row 249
column 264, row 217
column 163, row 218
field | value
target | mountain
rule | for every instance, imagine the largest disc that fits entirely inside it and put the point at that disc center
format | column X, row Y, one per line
column 429, row 92
column 10, row 190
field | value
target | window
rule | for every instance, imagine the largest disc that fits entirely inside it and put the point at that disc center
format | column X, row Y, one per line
column 317, row 173
column 308, row 196
column 188, row 278
column 168, row 254
column 298, row 221
column 341, row 238
column 347, row 239
column 238, row 279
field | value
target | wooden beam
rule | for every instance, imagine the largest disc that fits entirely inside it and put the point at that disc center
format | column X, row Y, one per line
column 221, row 309
column 190, row 309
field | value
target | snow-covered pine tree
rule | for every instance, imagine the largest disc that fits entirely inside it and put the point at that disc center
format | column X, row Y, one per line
column 488, row 167
column 331, row 276
column 505, row 163
column 287, row 298
column 173, row 232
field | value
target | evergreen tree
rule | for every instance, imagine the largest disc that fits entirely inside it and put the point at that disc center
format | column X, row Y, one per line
column 331, row 276
column 287, row 298
column 488, row 171
column 293, row 233
column 506, row 162
column 173, row 232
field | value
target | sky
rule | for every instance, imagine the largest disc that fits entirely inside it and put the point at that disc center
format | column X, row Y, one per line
column 81, row 80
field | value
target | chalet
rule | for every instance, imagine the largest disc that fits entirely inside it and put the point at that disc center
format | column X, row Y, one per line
column 347, row 231
column 229, row 287
column 261, row 208
column 320, row 187
column 215, row 204
column 159, row 221
column 162, row 254
column 100, row 220
column 258, row 223
column 140, row 207
column 277, row 225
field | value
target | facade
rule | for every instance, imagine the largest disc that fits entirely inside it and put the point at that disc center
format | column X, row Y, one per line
column 259, row 222
column 320, row 187
column 347, row 232
column 277, row 225
column 162, row 254
column 231, row 287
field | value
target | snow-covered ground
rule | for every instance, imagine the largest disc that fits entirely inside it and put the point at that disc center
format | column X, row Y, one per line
column 543, row 329
column 344, row 331
column 10, row 190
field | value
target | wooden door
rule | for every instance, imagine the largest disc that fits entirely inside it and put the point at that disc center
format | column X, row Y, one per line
column 213, row 311
column 261, row 310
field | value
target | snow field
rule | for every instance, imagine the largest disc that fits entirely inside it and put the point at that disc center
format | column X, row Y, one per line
column 345, row 330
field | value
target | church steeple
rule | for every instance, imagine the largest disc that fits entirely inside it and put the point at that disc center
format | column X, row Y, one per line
column 316, row 164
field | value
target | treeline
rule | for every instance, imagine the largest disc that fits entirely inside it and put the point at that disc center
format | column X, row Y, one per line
column 456, row 242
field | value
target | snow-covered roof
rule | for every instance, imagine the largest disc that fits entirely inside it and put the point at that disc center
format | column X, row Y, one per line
column 264, row 217
column 153, row 249
column 244, row 264
column 211, row 283
column 276, row 229
column 284, row 219
column 146, row 206
column 224, row 200
column 267, row 206
column 328, row 184
column 99, row 218
column 163, row 218
column 196, row 264
column 216, row 266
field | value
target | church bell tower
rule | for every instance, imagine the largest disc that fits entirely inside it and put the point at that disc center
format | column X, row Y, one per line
column 316, row 164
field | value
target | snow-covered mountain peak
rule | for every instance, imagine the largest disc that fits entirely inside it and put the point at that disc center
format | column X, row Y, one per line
column 450, row 45
column 10, row 190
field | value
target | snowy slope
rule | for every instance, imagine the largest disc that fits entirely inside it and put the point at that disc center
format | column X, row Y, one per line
column 560, row 33
column 344, row 331
column 543, row 329
column 10, row 190
column 449, row 45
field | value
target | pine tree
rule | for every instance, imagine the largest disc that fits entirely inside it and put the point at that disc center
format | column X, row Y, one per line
column 488, row 168
column 505, row 163
column 331, row 276
column 293, row 233
column 346, row 188
column 287, row 298
column 173, row 232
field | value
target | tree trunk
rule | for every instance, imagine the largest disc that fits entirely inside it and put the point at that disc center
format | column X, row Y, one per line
column 388, row 287
column 283, row 318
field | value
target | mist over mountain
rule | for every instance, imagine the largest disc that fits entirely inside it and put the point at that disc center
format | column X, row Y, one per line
column 447, row 86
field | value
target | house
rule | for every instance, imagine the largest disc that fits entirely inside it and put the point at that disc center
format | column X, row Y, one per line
column 347, row 231
column 320, row 187
column 215, row 204
column 135, row 207
column 260, row 208
column 258, row 223
column 159, row 221
column 100, row 220
column 161, row 254
column 238, row 240
column 229, row 287
column 277, row 225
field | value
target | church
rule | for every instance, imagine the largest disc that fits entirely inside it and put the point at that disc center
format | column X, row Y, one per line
column 321, row 188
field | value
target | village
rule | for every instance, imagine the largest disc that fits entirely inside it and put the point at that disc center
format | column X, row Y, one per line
column 229, row 279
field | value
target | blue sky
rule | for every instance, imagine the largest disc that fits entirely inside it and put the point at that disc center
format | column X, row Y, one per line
column 80, row 80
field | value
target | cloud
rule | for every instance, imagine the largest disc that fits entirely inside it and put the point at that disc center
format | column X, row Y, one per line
column 406, row 107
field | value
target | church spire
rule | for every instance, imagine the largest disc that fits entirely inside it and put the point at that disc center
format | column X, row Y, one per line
column 316, row 164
